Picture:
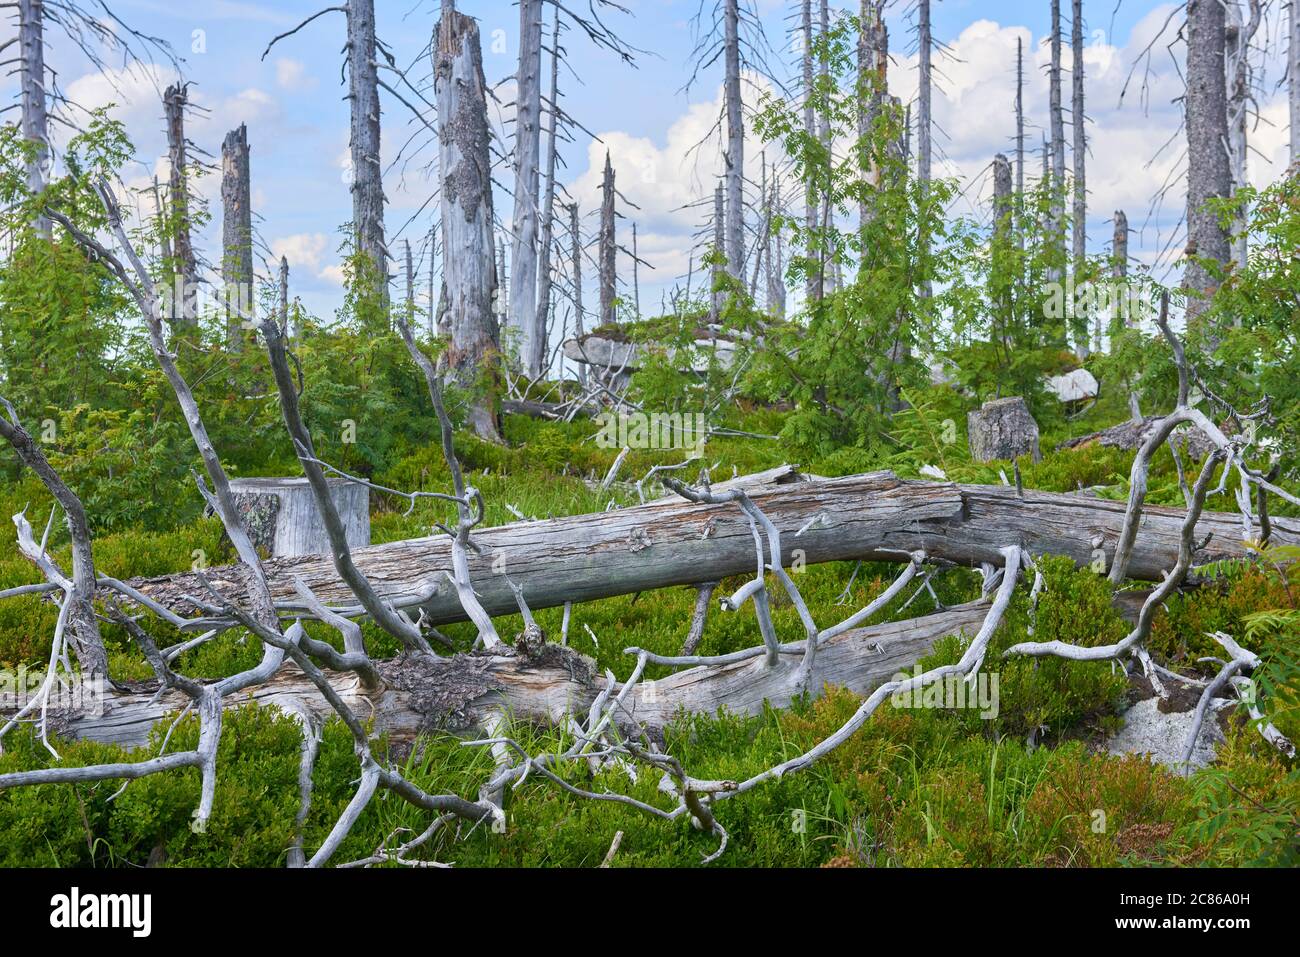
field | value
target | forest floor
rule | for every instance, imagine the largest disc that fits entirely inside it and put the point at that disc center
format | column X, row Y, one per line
column 916, row 786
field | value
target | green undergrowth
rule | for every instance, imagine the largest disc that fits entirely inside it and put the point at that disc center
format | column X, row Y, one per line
column 914, row 786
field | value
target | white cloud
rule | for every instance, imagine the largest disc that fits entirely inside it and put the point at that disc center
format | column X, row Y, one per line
column 291, row 74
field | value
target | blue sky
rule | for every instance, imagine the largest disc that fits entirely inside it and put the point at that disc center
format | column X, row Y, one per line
column 298, row 129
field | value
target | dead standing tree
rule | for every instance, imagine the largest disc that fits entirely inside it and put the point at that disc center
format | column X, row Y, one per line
column 607, row 246
column 1209, row 173
column 236, row 235
column 465, row 164
column 1080, row 151
column 530, row 244
column 102, row 37
column 366, row 57
column 185, row 269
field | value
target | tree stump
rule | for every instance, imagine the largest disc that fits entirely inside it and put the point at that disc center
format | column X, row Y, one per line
column 1003, row 429
column 281, row 517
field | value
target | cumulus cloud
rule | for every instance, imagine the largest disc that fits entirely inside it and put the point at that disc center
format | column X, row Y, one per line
column 291, row 75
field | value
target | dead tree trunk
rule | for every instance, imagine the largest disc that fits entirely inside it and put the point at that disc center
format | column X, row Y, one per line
column 545, row 284
column 719, row 297
column 1020, row 119
column 776, row 294
column 1209, row 175
column 467, row 214
column 466, row 692
column 1057, row 122
column 608, row 247
column 1238, row 36
column 528, row 136
column 185, row 268
column 236, row 236
column 814, row 282
column 35, row 117
column 1293, row 75
column 735, row 157
column 1080, row 149
column 873, row 61
column 1002, row 199
column 575, row 277
column 873, row 517
column 367, row 171
column 924, row 116
column 829, row 280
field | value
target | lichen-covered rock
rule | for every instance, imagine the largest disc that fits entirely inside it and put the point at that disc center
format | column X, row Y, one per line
column 1003, row 429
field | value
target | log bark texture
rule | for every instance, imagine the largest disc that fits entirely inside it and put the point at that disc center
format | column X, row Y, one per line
column 469, row 275
column 876, row 517
column 236, row 235
column 1209, row 173
column 423, row 693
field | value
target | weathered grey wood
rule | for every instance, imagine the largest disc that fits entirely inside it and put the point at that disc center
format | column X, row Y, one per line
column 281, row 515
column 878, row 516
column 607, row 246
column 1080, row 151
column 536, row 360
column 1020, row 122
column 1002, row 429
column 734, row 246
column 527, row 159
column 184, row 306
column 1209, row 174
column 236, row 235
column 422, row 693
column 719, row 298
column 466, row 165
column 1057, row 123
column 35, row 115
column 813, row 290
column 1293, row 80
column 364, row 142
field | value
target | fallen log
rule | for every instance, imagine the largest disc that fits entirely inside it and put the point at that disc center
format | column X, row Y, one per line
column 423, row 693
column 875, row 517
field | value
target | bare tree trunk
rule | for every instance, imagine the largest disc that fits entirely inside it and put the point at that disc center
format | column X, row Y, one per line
column 828, row 275
column 367, row 171
column 1080, row 149
column 1057, row 121
column 528, row 136
column 236, row 236
column 466, row 168
column 1002, row 198
column 1293, row 73
column 500, row 283
column 289, row 333
column 719, row 248
column 875, row 517
column 410, row 282
column 185, row 275
column 814, row 283
column 1020, row 117
column 924, row 118
column 636, row 275
column 1209, row 175
column 433, row 302
column 35, row 119
column 544, row 279
column 735, row 158
column 873, row 65
column 575, row 238
column 608, row 247
column 776, row 295
column 1238, row 35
